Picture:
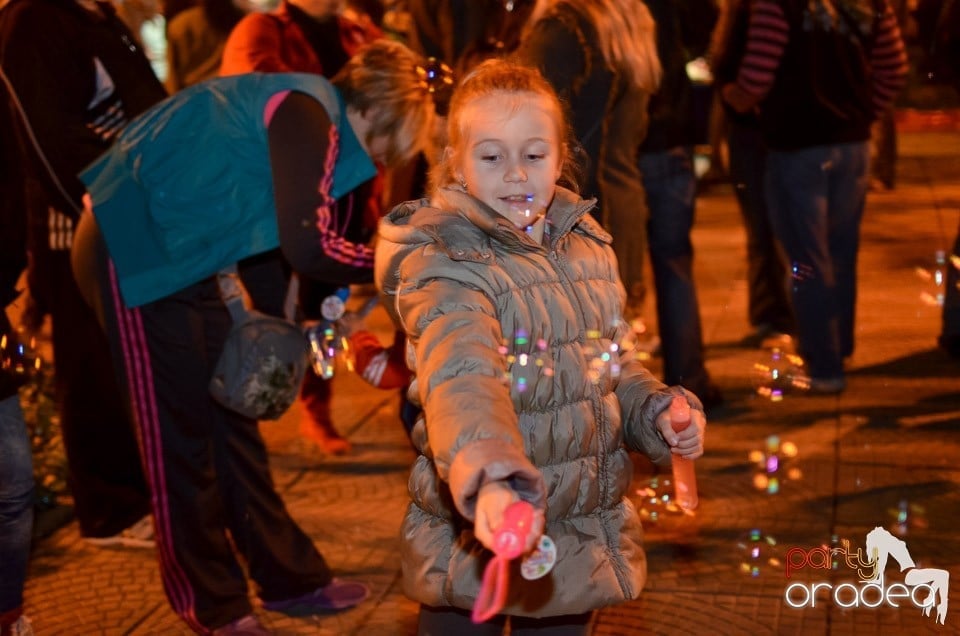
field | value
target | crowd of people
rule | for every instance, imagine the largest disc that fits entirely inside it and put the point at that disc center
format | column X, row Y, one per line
column 522, row 209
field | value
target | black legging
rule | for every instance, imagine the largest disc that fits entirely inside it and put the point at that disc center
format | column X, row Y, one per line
column 441, row 621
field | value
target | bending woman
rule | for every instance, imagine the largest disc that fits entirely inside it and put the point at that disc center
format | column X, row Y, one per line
column 256, row 169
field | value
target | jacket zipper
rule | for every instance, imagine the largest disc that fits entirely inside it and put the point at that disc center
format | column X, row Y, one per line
column 560, row 265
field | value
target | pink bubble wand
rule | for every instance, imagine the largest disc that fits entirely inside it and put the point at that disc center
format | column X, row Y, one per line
column 508, row 543
column 684, row 475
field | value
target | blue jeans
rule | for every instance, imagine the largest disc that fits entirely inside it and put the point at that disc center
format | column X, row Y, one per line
column 670, row 184
column 768, row 298
column 950, row 326
column 816, row 198
column 16, row 503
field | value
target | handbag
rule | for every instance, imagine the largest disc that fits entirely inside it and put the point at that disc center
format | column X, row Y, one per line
column 264, row 357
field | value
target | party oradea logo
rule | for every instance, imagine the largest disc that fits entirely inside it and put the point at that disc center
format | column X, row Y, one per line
column 923, row 588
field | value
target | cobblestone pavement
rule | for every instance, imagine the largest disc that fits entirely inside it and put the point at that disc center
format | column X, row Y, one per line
column 884, row 453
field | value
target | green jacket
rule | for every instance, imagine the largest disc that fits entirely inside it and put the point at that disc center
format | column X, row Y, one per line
column 187, row 187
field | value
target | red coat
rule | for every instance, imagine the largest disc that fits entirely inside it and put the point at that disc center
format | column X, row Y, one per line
column 273, row 43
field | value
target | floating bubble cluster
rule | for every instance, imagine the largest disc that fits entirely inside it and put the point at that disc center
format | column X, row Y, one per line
column 528, row 361
column 759, row 554
column 772, row 465
column 600, row 356
column 778, row 374
column 655, row 500
column 604, row 357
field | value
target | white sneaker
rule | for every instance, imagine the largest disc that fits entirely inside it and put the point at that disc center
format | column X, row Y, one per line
column 22, row 627
column 139, row 535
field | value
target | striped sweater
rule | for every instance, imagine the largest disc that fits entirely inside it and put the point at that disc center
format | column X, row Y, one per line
column 813, row 56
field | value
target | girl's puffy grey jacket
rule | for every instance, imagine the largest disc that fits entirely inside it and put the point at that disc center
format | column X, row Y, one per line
column 472, row 292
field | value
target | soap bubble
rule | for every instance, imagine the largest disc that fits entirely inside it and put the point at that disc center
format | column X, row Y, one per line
column 528, row 361
column 779, row 373
column 19, row 354
column 759, row 554
column 907, row 515
column 604, row 358
column 328, row 348
column 524, row 210
column 533, row 211
column 656, row 500
column 772, row 465
column 933, row 278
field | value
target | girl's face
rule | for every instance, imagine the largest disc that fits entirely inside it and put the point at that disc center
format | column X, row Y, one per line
column 510, row 156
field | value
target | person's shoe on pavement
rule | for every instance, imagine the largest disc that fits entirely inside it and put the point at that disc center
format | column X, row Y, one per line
column 325, row 436
column 19, row 627
column 950, row 344
column 336, row 595
column 248, row 625
column 766, row 336
column 827, row 386
column 139, row 535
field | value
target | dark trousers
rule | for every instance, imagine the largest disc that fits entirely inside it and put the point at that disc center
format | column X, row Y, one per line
column 442, row 621
column 768, row 300
column 816, row 197
column 883, row 164
column 950, row 327
column 104, row 471
column 207, row 466
column 671, row 191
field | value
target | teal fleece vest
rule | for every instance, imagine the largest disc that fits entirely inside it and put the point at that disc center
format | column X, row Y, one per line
column 186, row 189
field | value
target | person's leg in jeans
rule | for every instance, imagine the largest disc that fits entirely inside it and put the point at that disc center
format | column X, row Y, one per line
column 768, row 299
column 798, row 199
column 884, row 140
column 16, row 508
column 849, row 180
column 671, row 189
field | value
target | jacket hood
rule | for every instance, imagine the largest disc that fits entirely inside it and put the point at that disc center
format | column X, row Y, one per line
column 463, row 226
